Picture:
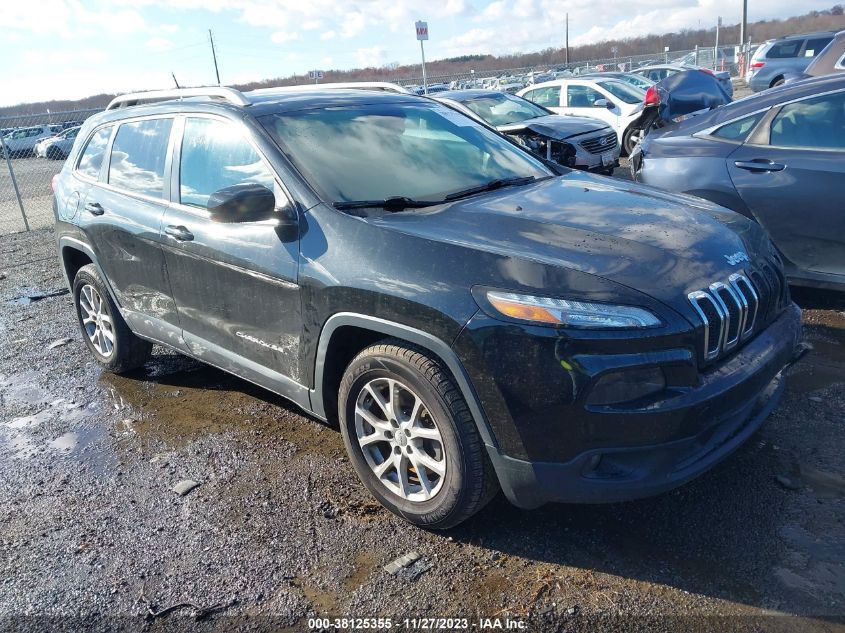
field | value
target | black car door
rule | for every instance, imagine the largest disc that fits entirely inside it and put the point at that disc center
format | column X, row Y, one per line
column 121, row 213
column 235, row 283
column 790, row 174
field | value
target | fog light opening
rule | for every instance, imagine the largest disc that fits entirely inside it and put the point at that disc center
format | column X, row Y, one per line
column 627, row 385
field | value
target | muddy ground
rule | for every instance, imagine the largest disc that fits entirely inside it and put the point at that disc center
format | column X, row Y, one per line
column 92, row 535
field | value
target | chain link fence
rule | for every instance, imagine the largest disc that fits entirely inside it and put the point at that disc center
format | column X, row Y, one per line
column 32, row 150
column 33, row 147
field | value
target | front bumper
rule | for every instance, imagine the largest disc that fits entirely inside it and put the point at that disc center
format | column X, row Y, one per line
column 666, row 443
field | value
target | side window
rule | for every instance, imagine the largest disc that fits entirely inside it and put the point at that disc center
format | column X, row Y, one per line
column 815, row 46
column 215, row 155
column 783, row 50
column 818, row 122
column 92, row 156
column 582, row 96
column 138, row 154
column 738, row 130
column 548, row 97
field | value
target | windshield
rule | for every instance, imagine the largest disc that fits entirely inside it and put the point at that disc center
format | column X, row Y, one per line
column 636, row 80
column 625, row 92
column 420, row 151
column 502, row 109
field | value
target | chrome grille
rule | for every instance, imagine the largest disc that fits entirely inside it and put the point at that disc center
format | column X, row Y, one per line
column 594, row 145
column 730, row 311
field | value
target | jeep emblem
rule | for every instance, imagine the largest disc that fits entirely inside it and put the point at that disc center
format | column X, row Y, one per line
column 737, row 257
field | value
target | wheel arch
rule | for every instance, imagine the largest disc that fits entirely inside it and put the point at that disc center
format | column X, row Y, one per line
column 334, row 353
column 74, row 255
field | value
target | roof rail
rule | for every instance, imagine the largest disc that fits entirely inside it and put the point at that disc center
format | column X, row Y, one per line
column 134, row 98
column 383, row 86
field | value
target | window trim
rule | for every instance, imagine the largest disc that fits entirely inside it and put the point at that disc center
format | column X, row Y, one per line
column 176, row 157
column 708, row 132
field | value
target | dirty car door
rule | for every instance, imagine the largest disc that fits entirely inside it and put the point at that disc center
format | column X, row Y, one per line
column 790, row 176
column 235, row 284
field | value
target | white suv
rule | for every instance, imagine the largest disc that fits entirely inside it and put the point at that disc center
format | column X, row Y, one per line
column 613, row 101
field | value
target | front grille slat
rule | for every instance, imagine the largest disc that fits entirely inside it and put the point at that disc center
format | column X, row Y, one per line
column 594, row 145
column 732, row 312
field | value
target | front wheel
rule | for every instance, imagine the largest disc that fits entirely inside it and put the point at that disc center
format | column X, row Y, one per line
column 411, row 437
column 104, row 331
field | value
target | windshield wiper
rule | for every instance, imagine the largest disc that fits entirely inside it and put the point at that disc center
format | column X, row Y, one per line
column 490, row 186
column 395, row 203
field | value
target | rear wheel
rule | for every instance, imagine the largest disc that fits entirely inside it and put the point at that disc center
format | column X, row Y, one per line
column 777, row 82
column 411, row 437
column 54, row 153
column 104, row 331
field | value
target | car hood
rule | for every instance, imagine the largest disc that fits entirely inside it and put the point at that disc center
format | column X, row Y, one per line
column 556, row 126
column 659, row 243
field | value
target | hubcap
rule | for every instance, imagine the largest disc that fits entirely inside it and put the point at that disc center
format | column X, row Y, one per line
column 96, row 321
column 400, row 439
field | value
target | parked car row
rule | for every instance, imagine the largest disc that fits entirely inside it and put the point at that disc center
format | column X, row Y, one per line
column 50, row 141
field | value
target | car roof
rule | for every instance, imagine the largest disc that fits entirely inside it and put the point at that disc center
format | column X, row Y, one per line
column 260, row 102
column 803, row 36
column 766, row 99
column 469, row 94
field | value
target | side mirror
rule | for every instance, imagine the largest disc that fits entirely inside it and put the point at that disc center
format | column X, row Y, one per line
column 602, row 103
column 247, row 202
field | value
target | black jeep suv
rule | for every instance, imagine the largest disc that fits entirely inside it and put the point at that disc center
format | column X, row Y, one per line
column 473, row 317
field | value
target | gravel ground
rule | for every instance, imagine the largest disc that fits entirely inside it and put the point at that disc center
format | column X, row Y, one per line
column 279, row 529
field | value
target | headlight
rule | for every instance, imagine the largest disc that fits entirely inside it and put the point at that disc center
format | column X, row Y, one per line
column 576, row 314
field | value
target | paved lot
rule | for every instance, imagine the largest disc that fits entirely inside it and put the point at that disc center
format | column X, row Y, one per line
column 279, row 529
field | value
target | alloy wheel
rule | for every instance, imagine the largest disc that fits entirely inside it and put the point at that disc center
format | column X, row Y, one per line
column 399, row 439
column 96, row 320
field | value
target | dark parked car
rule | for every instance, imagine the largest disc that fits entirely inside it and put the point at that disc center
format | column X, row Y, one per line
column 778, row 158
column 573, row 141
column 830, row 60
column 470, row 317
column 659, row 72
column 776, row 59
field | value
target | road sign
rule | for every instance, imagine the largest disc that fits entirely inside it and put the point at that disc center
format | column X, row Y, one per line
column 422, row 30
column 315, row 74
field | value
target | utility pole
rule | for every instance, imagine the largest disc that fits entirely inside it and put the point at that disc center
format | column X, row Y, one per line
column 567, row 38
column 214, row 56
column 743, row 29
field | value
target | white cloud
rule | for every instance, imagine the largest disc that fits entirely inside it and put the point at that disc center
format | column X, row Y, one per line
column 158, row 44
column 352, row 24
column 370, row 57
column 281, row 37
column 328, row 35
column 311, row 25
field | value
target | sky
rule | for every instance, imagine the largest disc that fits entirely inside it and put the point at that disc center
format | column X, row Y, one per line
column 67, row 49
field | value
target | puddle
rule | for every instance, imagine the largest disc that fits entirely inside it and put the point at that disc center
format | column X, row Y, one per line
column 22, row 388
column 176, row 400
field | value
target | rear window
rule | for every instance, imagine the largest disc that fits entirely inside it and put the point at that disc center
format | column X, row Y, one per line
column 784, row 50
column 92, row 156
column 138, row 154
column 738, row 130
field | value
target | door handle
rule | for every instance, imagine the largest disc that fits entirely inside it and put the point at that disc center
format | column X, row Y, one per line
column 759, row 165
column 95, row 208
column 179, row 232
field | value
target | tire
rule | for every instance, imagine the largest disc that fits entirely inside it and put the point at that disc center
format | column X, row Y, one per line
column 114, row 346
column 628, row 141
column 54, row 153
column 458, row 477
column 777, row 82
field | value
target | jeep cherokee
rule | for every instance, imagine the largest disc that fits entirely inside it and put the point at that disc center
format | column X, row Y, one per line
column 472, row 317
